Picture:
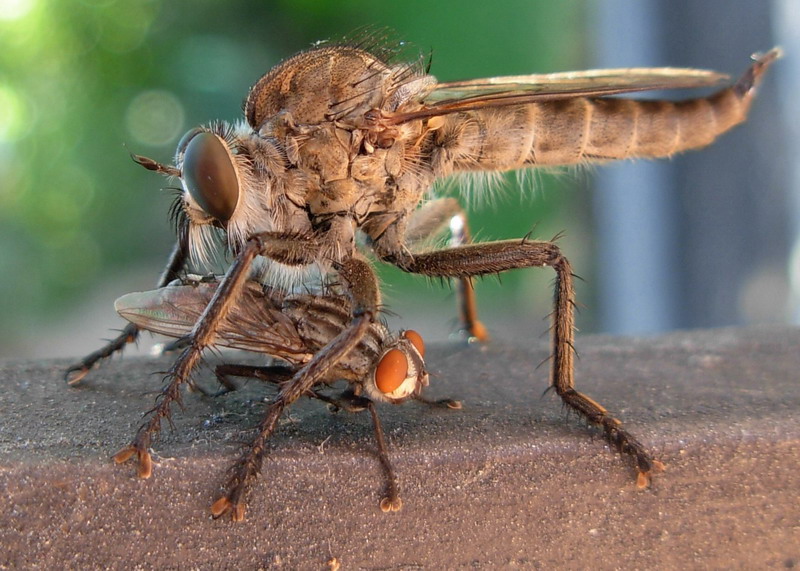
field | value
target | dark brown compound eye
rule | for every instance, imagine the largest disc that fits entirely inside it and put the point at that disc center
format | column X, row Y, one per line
column 184, row 142
column 209, row 174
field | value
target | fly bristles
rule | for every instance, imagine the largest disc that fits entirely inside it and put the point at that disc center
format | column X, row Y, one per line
column 225, row 131
column 480, row 188
column 202, row 243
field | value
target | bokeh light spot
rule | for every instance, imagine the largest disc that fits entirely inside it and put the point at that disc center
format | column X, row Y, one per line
column 155, row 118
column 12, row 114
column 11, row 10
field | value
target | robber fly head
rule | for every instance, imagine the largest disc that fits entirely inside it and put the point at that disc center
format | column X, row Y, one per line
column 399, row 373
column 216, row 168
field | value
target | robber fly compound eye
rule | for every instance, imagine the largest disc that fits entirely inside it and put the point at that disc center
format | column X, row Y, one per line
column 209, row 174
column 184, row 142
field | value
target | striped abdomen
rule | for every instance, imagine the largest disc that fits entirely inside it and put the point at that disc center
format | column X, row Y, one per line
column 589, row 129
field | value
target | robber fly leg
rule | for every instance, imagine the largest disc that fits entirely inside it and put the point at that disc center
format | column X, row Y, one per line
column 202, row 336
column 430, row 221
column 362, row 285
column 495, row 257
column 75, row 373
column 292, row 249
column 350, row 402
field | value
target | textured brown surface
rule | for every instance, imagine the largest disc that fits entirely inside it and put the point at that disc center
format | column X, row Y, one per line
column 509, row 481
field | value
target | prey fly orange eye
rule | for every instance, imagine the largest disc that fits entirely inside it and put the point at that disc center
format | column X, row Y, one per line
column 416, row 340
column 392, row 370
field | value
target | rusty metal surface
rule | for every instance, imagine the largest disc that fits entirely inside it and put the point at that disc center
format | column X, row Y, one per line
column 510, row 480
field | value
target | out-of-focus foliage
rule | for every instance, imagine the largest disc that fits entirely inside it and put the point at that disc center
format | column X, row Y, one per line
column 84, row 83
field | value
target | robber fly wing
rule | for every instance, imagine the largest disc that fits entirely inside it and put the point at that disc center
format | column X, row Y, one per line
column 456, row 96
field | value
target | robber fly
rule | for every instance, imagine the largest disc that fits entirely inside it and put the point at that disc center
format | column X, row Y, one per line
column 383, row 367
column 337, row 141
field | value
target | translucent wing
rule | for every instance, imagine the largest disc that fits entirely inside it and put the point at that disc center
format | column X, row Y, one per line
column 456, row 96
column 255, row 323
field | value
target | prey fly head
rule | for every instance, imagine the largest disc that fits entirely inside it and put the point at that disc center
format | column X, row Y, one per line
column 399, row 372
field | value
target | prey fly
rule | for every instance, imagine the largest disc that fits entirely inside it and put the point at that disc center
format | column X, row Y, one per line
column 293, row 328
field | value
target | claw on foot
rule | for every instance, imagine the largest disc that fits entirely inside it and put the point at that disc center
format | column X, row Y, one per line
column 145, row 464
column 391, row 504
column 75, row 375
column 221, row 506
column 643, row 479
column 224, row 505
column 478, row 332
column 145, row 460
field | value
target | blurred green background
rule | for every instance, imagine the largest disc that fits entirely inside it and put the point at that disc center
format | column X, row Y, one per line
column 83, row 84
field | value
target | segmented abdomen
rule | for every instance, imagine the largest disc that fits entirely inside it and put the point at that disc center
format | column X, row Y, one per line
column 582, row 129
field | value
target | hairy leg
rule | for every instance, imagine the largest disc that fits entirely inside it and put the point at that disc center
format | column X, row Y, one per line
column 494, row 257
column 363, row 287
column 292, row 249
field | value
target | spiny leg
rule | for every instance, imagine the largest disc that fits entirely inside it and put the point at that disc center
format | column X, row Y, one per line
column 349, row 402
column 431, row 220
column 362, row 285
column 563, row 378
column 75, row 373
column 495, row 257
column 286, row 248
